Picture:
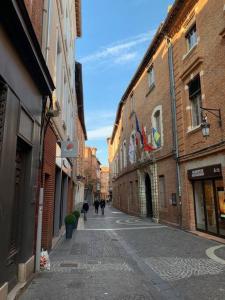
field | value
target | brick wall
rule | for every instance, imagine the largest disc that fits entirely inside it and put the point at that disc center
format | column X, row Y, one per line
column 49, row 187
column 129, row 186
column 35, row 11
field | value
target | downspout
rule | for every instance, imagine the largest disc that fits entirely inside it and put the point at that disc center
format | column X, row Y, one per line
column 174, row 128
column 48, row 31
column 44, row 126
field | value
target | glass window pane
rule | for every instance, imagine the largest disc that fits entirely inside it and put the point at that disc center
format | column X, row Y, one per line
column 210, row 206
column 220, row 205
column 199, row 206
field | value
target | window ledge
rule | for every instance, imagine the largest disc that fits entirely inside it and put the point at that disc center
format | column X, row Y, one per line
column 194, row 129
column 189, row 52
column 151, row 88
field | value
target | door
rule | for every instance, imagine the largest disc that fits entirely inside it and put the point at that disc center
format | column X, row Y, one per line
column 17, row 212
column 199, row 206
column 148, row 193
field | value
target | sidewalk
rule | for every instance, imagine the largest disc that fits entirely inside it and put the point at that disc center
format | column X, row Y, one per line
column 119, row 257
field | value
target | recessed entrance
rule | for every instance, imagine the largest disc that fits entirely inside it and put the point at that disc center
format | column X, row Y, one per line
column 148, row 193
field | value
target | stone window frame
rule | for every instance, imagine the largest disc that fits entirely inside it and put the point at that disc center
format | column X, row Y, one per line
column 156, row 109
column 151, row 77
column 190, row 127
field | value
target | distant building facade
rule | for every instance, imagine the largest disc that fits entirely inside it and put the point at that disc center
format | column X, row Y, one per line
column 92, row 174
column 104, row 182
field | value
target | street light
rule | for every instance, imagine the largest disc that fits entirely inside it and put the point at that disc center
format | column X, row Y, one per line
column 205, row 125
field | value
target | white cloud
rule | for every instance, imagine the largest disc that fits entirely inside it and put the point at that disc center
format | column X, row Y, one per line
column 120, row 51
column 96, row 115
column 126, row 57
column 99, row 133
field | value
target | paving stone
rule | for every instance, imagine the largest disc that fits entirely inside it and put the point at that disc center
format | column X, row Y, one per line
column 142, row 264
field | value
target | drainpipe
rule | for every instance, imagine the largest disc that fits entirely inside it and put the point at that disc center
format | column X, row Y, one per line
column 48, row 23
column 44, row 126
column 174, row 127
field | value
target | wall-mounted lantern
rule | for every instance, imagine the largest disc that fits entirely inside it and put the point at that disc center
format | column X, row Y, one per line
column 205, row 126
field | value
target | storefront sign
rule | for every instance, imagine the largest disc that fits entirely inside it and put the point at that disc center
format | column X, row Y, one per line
column 68, row 149
column 205, row 172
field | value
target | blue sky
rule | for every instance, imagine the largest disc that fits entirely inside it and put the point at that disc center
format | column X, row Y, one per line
column 115, row 36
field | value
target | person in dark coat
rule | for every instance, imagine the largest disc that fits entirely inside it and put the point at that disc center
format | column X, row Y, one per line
column 85, row 209
column 96, row 205
column 102, row 205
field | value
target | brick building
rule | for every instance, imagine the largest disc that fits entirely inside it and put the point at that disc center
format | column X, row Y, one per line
column 25, row 84
column 81, row 138
column 196, row 31
column 61, row 28
column 104, row 182
column 179, row 80
column 92, row 174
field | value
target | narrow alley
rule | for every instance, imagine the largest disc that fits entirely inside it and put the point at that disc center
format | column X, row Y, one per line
column 120, row 257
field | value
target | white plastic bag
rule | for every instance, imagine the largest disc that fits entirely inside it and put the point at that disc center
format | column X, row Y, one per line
column 44, row 261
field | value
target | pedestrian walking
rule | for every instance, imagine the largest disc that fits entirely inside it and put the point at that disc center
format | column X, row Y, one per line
column 96, row 205
column 85, row 209
column 102, row 205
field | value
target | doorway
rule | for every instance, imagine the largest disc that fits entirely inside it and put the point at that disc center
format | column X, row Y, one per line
column 148, row 193
column 21, row 165
column 210, row 206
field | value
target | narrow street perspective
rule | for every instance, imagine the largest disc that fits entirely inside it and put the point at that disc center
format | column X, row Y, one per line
column 112, row 149
column 117, row 256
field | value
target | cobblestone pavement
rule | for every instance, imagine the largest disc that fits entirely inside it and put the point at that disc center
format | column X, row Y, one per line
column 120, row 257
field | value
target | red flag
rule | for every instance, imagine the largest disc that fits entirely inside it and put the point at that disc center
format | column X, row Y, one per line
column 147, row 147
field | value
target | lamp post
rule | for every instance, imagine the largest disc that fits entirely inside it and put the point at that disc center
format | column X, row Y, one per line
column 205, row 126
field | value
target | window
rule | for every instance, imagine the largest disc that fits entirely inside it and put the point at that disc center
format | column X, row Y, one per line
column 151, row 77
column 157, row 132
column 196, row 100
column 59, row 72
column 191, row 37
column 162, row 192
column 132, row 104
column 124, row 154
column 132, row 149
column 121, row 158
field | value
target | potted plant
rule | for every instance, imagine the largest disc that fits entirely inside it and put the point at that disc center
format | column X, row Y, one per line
column 76, row 213
column 69, row 222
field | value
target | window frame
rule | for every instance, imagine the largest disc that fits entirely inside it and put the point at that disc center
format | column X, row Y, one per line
column 188, row 37
column 151, row 77
column 153, row 120
column 197, row 95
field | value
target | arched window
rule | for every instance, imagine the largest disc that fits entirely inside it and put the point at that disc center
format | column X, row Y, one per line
column 132, row 148
column 157, row 127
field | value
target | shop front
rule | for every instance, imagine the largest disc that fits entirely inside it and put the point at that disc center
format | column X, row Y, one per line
column 209, row 199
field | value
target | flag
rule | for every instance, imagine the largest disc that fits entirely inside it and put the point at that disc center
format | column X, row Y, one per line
column 157, row 137
column 138, row 131
column 147, row 147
